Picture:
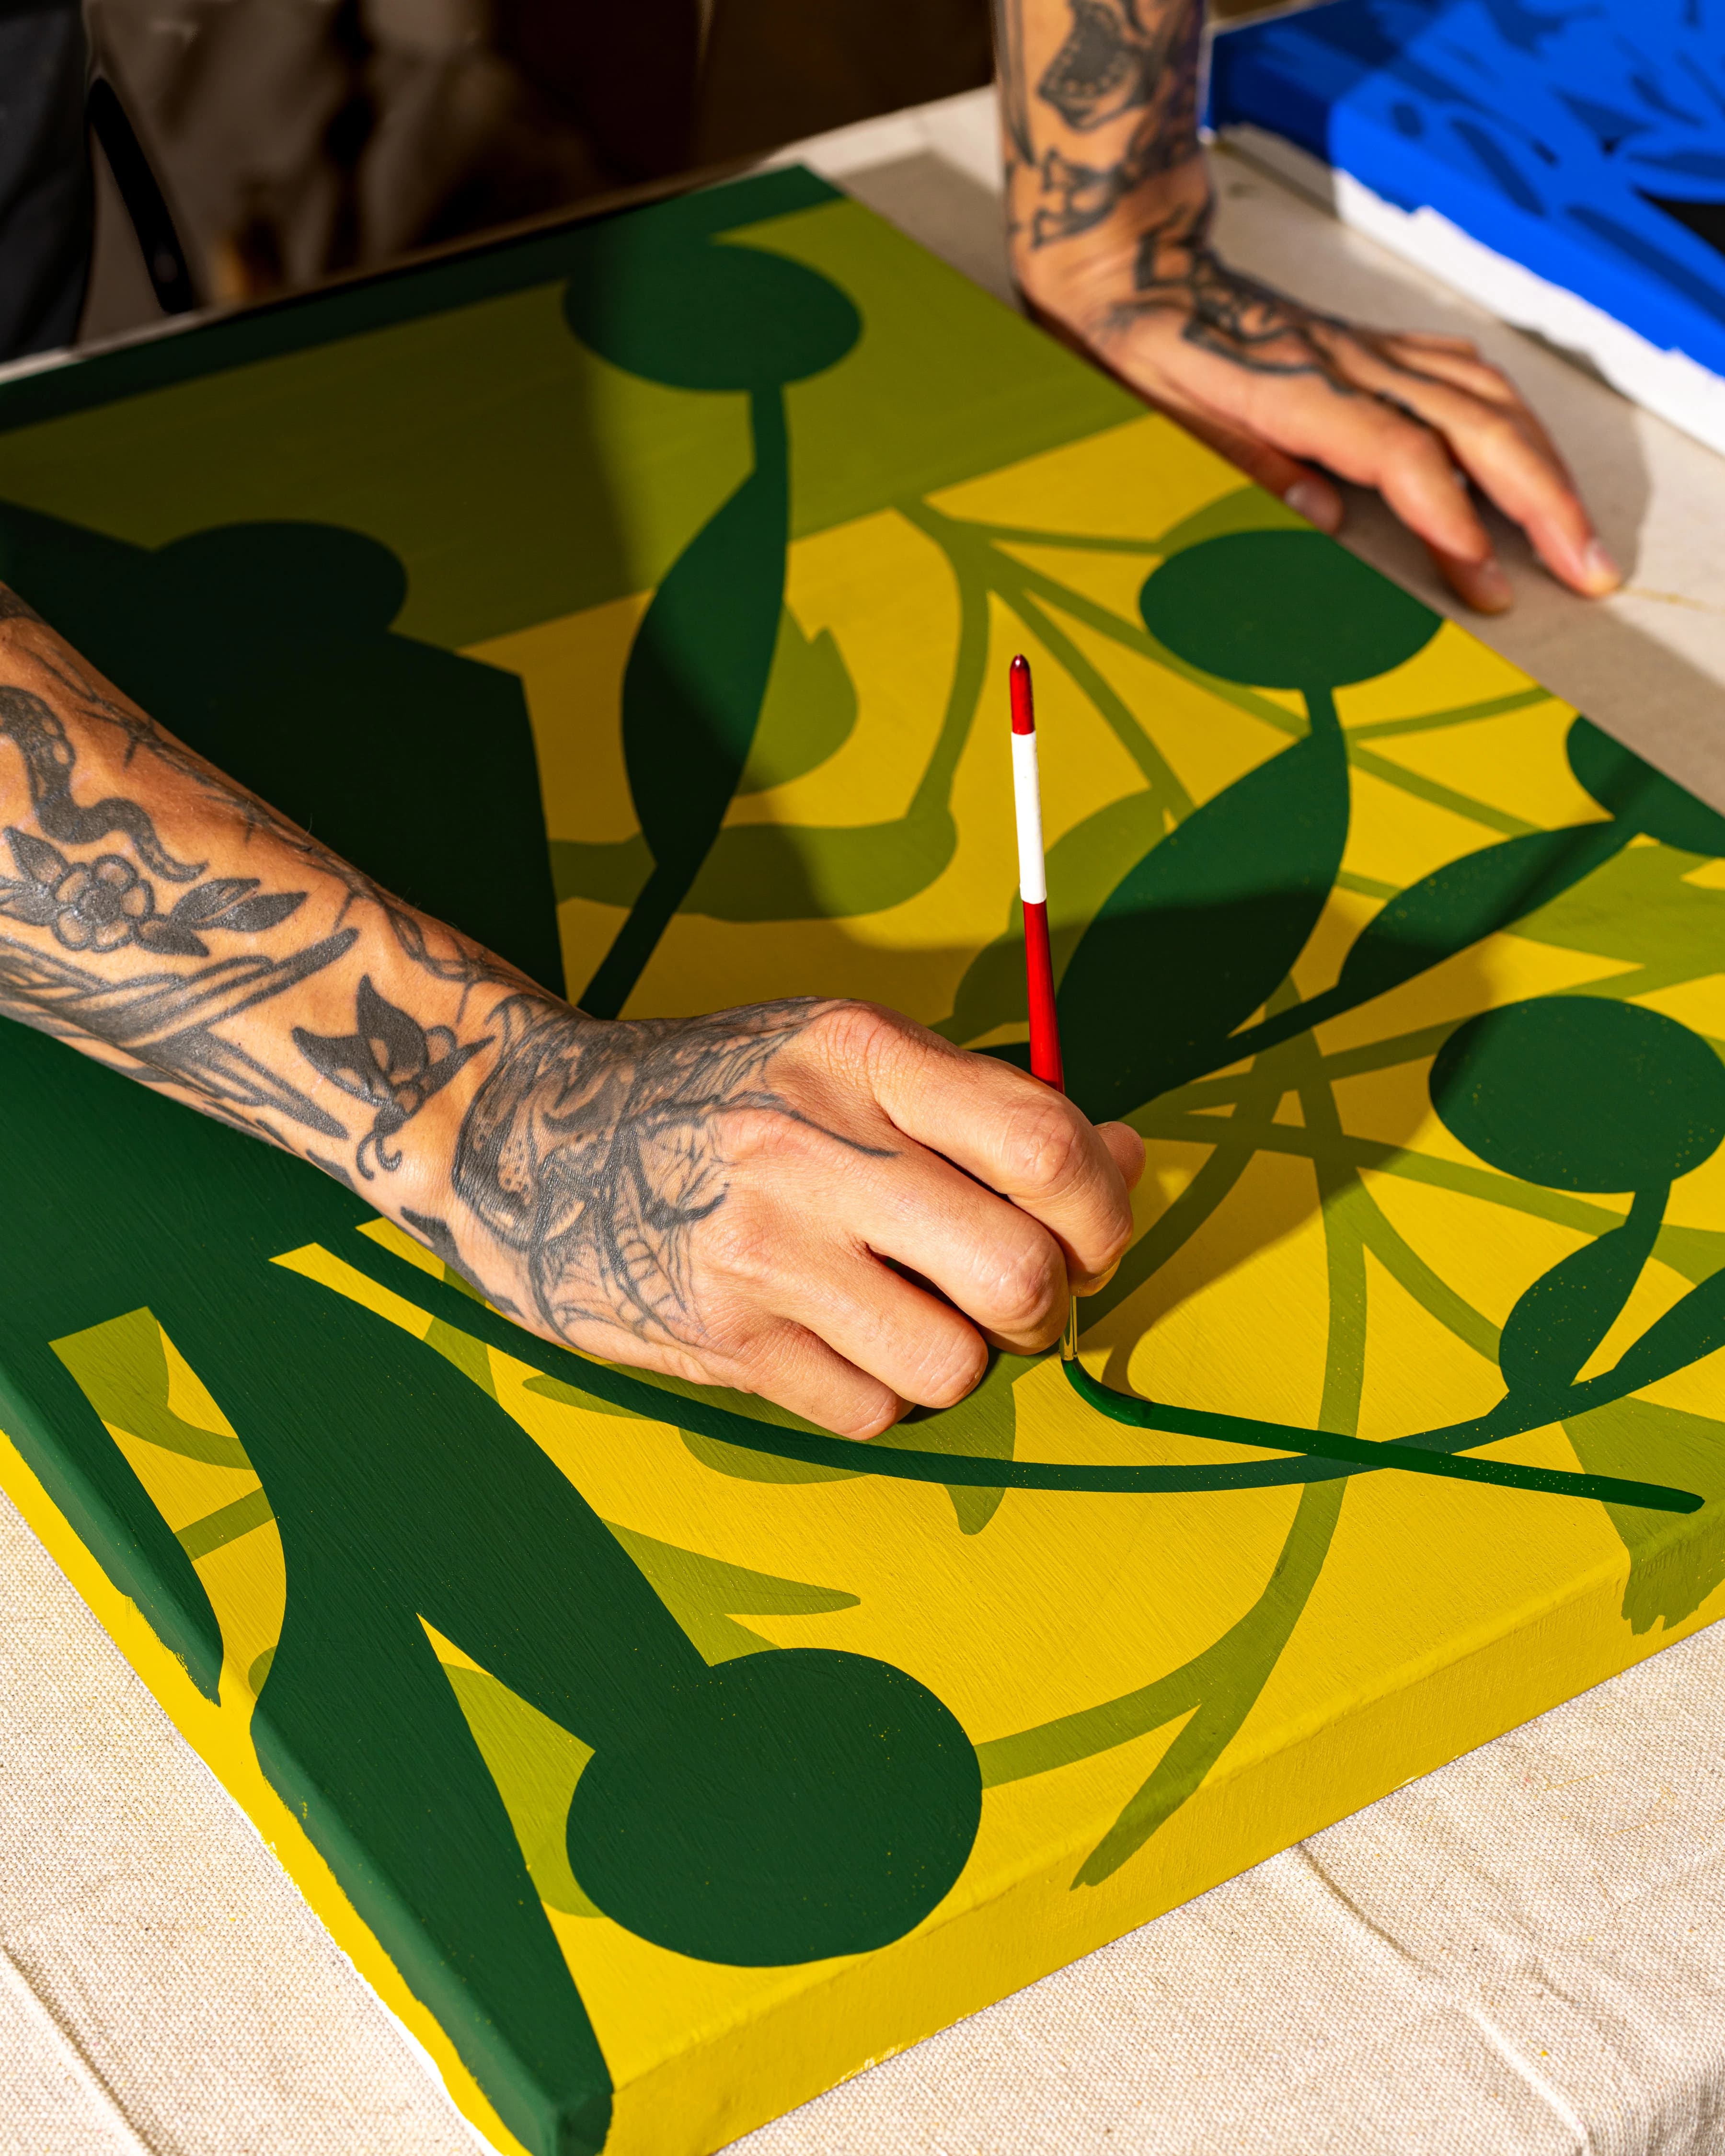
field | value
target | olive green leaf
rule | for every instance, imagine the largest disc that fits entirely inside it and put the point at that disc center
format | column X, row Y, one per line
column 121, row 1370
column 1674, row 1565
column 984, row 1426
column 810, row 712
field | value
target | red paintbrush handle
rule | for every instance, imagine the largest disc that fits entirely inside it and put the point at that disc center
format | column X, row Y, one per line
column 1039, row 982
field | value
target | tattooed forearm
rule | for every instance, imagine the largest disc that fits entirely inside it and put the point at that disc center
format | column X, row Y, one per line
column 1126, row 74
column 440, row 951
column 564, row 1167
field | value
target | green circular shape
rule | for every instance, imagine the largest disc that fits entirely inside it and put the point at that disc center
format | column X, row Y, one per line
column 694, row 313
column 801, row 1803
column 1580, row 1094
column 1621, row 783
column 1282, row 610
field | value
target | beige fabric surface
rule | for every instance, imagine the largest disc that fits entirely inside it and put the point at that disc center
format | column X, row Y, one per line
column 1520, row 1955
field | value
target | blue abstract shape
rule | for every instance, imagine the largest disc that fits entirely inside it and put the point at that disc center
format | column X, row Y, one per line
column 1528, row 128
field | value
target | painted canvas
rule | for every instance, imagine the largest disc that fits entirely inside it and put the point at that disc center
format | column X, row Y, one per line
column 1567, row 165
column 661, row 1759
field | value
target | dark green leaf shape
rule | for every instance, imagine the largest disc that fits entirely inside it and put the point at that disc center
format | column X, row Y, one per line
column 1197, row 937
column 1282, row 610
column 1672, row 1569
column 672, row 305
column 1644, row 798
column 984, row 1426
column 870, row 1787
column 1559, row 1320
column 1581, row 1094
column 810, row 712
column 1461, row 903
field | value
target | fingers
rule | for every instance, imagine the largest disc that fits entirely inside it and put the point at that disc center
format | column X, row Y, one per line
column 790, row 1365
column 1399, row 413
column 1009, row 1132
column 1481, row 585
column 1496, row 441
column 915, row 1346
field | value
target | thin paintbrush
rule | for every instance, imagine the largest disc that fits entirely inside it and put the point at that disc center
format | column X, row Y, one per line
column 1033, row 889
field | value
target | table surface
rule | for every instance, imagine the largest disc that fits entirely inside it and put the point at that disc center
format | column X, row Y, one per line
column 1524, row 1953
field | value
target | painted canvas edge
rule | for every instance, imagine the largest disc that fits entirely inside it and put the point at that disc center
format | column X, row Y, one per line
column 980, row 1953
column 224, row 1747
column 738, row 2075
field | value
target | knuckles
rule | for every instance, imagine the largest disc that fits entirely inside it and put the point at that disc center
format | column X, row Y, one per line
column 1044, row 1147
column 1027, row 1290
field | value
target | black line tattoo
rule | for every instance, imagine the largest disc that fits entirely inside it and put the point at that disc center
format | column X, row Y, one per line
column 13, row 608
column 595, row 1151
column 158, row 1027
column 105, row 904
column 392, row 1063
column 1119, row 56
column 1225, row 312
column 162, row 1026
column 462, row 962
column 48, row 757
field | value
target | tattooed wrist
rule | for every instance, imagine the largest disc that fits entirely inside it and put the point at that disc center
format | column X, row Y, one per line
column 1113, row 107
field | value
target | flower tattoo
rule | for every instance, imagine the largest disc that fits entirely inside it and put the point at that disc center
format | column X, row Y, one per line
column 393, row 1063
column 104, row 904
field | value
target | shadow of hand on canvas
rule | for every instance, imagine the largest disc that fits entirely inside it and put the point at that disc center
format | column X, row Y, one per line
column 791, row 1805
column 268, row 649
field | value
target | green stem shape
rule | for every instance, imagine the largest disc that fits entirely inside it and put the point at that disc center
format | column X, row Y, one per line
column 693, row 689
column 1324, row 1459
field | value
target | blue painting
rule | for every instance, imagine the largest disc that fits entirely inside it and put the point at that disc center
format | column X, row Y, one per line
column 1585, row 142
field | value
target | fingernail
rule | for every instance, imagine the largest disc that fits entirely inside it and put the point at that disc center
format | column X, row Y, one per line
column 1492, row 590
column 1600, row 573
column 1312, row 500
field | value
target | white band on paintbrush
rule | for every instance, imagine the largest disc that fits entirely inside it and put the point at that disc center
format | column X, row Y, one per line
column 1027, row 798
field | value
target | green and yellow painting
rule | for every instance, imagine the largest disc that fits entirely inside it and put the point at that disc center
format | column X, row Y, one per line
column 659, row 1758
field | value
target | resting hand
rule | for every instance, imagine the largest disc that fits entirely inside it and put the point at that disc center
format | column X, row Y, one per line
column 1109, row 212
